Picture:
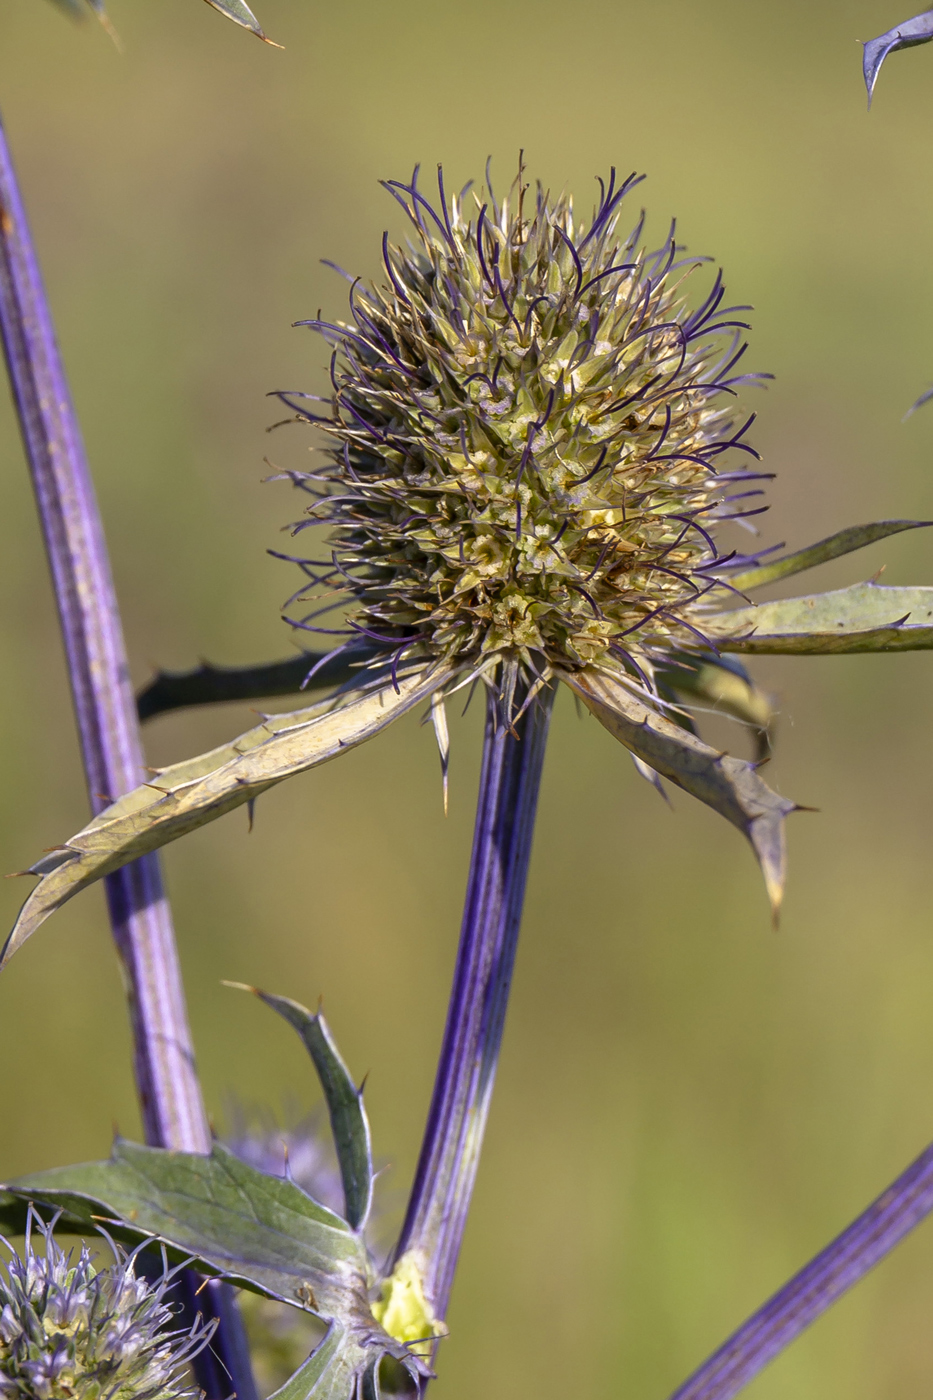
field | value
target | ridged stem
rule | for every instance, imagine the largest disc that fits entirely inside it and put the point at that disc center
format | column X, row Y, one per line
column 508, row 794
column 813, row 1290
column 166, row 1080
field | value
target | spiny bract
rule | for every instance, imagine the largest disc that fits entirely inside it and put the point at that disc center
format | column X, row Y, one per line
column 529, row 419
column 69, row 1331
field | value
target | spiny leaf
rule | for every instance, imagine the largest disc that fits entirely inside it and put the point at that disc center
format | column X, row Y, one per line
column 344, row 1103
column 865, row 617
column 843, row 542
column 728, row 785
column 188, row 795
column 240, row 13
column 212, row 685
column 723, row 685
column 259, row 1230
column 906, row 35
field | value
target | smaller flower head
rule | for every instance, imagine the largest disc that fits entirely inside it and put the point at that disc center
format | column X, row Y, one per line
column 70, row 1331
column 529, row 421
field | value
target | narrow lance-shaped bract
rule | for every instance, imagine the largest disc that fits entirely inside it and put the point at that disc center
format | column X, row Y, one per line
column 170, row 1098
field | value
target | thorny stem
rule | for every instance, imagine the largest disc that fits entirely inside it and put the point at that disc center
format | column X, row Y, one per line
column 505, row 816
column 817, row 1286
column 170, row 1097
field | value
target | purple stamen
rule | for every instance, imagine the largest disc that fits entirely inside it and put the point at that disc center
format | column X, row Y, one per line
column 575, row 255
column 387, row 259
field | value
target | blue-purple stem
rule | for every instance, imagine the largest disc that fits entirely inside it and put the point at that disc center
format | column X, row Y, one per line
column 508, row 795
column 170, row 1097
column 813, row 1290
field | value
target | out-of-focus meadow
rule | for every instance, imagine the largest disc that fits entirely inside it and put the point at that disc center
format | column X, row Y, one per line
column 689, row 1104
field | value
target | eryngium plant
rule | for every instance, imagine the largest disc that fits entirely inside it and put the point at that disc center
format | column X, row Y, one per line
column 529, row 421
column 526, row 480
column 71, row 1331
column 529, row 471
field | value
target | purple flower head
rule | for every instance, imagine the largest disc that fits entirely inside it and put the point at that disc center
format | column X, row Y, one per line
column 71, row 1331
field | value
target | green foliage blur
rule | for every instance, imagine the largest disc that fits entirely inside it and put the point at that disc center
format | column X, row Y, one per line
column 689, row 1104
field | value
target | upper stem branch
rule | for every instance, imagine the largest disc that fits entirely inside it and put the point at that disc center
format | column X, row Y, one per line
column 508, row 795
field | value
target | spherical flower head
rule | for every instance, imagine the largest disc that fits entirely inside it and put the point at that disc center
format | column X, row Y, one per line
column 70, row 1331
column 529, row 420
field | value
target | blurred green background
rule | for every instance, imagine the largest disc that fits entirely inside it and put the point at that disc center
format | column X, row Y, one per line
column 689, row 1104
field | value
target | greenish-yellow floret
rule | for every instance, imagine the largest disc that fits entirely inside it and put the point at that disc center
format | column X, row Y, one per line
column 402, row 1308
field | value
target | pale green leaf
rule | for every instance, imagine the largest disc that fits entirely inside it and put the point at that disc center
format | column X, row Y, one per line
column 188, row 795
column 344, row 1103
column 865, row 617
column 730, row 786
column 844, row 542
column 259, row 1230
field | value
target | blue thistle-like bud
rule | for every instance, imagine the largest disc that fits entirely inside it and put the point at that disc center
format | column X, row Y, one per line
column 71, row 1331
column 529, row 424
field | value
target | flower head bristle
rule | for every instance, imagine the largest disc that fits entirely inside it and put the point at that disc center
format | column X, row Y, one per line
column 527, row 422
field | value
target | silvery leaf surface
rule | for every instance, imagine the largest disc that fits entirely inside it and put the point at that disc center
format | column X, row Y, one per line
column 259, row 1230
column 833, row 547
column 905, row 35
column 187, row 795
column 730, row 786
column 865, row 617
column 344, row 1104
column 214, row 685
